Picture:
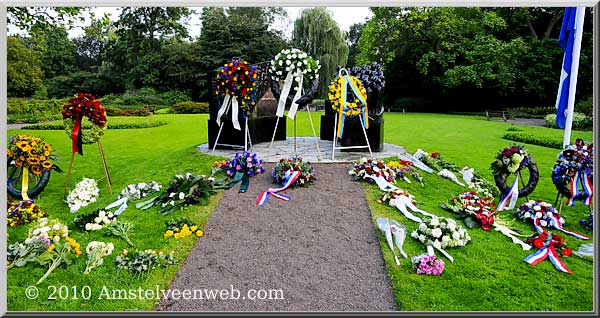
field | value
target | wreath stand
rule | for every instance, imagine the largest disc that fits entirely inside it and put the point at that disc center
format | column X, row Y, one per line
column 247, row 139
column 295, row 144
column 106, row 173
column 335, row 138
column 560, row 199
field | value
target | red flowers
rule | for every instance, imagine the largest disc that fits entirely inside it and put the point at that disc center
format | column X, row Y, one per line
column 555, row 241
column 435, row 154
column 85, row 105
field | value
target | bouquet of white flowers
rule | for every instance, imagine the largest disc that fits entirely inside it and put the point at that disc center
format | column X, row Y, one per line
column 85, row 193
column 95, row 220
column 50, row 228
column 96, row 252
column 441, row 233
column 140, row 190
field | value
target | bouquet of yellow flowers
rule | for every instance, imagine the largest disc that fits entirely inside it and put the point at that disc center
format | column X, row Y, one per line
column 31, row 153
column 182, row 227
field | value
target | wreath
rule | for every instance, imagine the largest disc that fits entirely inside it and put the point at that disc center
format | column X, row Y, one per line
column 348, row 98
column 575, row 161
column 293, row 164
column 238, row 79
column 28, row 154
column 292, row 61
column 78, row 107
column 21, row 212
column 511, row 161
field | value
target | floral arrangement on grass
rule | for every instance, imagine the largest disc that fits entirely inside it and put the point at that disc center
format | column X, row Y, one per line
column 428, row 265
column 49, row 228
column 95, row 220
column 434, row 160
column 182, row 227
column 64, row 252
column 478, row 183
column 292, row 61
column 549, row 245
column 31, row 153
column 541, row 210
column 510, row 160
column 244, row 163
column 469, row 204
column 390, row 195
column 588, row 223
column 440, row 233
column 371, row 75
column 402, row 168
column 140, row 262
column 80, row 106
column 22, row 212
column 96, row 251
column 293, row 164
column 575, row 165
column 365, row 168
column 85, row 193
column 238, row 79
column 184, row 190
column 21, row 253
column 120, row 229
column 137, row 191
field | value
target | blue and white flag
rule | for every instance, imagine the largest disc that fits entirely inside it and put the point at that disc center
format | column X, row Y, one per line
column 570, row 41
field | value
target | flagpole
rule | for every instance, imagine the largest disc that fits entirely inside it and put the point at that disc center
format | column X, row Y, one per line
column 579, row 17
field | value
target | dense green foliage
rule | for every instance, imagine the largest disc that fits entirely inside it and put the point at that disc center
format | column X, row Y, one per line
column 24, row 71
column 23, row 110
column 495, row 56
column 580, row 121
column 122, row 122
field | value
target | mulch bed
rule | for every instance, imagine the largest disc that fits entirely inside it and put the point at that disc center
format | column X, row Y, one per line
column 320, row 249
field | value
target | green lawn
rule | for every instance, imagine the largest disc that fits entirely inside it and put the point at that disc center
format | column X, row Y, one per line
column 488, row 274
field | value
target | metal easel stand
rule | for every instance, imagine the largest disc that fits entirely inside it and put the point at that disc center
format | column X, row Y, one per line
column 312, row 125
column 335, row 137
column 560, row 198
column 247, row 139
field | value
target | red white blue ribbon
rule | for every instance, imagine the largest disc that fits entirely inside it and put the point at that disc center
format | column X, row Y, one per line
column 588, row 188
column 290, row 178
column 555, row 223
column 510, row 199
column 550, row 253
column 574, row 189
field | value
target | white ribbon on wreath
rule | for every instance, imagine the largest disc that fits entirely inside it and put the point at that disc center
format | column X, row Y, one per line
column 229, row 100
column 298, row 76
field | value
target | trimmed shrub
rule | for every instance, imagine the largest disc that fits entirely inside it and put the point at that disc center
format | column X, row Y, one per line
column 189, row 108
column 114, row 111
column 33, row 111
column 580, row 121
column 543, row 141
column 58, row 125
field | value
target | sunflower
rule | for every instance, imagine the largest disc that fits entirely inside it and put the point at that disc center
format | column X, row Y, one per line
column 22, row 158
column 18, row 163
column 33, row 161
column 23, row 145
column 46, row 153
column 9, row 153
column 32, row 152
column 36, row 170
column 47, row 165
column 43, row 158
column 47, row 148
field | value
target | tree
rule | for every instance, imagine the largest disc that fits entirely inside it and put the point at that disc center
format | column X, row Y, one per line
column 58, row 51
column 24, row 71
column 141, row 31
column 316, row 33
column 236, row 32
column 91, row 46
column 32, row 18
column 353, row 37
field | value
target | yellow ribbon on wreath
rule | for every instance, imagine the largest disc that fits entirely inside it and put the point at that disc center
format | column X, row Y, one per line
column 339, row 102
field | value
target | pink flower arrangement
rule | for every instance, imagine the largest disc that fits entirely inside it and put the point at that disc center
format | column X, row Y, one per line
column 428, row 265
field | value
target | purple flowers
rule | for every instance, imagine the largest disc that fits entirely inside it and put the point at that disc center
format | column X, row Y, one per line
column 371, row 75
column 428, row 265
column 244, row 162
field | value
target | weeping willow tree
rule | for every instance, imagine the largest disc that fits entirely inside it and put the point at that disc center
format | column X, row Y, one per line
column 316, row 33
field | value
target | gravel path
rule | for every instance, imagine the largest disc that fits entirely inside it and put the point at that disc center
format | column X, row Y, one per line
column 319, row 249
